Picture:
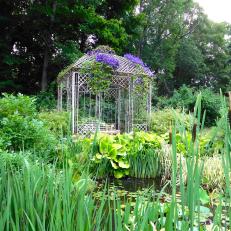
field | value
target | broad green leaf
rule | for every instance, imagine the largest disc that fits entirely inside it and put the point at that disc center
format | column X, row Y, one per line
column 204, row 197
column 98, row 156
column 114, row 165
column 118, row 174
column 123, row 164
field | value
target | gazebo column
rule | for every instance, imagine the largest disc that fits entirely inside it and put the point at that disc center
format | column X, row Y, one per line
column 130, row 106
column 60, row 97
column 98, row 106
column 73, row 100
column 77, row 101
column 69, row 92
column 149, row 104
column 119, row 109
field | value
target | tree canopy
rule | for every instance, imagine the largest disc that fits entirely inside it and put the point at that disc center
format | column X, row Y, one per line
column 175, row 38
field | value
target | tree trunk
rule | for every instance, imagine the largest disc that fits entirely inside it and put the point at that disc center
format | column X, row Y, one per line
column 44, row 72
column 48, row 44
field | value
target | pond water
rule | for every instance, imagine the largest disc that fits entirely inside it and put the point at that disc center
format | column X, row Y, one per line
column 132, row 188
column 132, row 184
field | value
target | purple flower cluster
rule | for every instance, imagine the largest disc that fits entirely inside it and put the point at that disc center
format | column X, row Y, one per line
column 134, row 59
column 139, row 61
column 107, row 59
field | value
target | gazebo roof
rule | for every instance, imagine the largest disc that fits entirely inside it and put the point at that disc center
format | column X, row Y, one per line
column 126, row 67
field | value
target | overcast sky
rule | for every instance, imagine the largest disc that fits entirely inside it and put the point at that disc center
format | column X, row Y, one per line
column 217, row 10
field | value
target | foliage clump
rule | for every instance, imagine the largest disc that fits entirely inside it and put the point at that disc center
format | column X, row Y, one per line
column 161, row 121
column 186, row 97
column 56, row 122
column 20, row 128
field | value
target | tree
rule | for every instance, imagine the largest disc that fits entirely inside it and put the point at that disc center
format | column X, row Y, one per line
column 165, row 27
column 190, row 65
column 42, row 36
column 210, row 54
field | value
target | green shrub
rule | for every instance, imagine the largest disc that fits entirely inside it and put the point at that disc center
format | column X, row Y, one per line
column 211, row 103
column 57, row 122
column 14, row 160
column 20, row 128
column 46, row 100
column 185, row 97
column 19, row 133
column 19, row 105
column 161, row 121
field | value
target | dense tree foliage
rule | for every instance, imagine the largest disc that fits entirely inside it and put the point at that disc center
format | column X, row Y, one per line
column 175, row 38
column 42, row 36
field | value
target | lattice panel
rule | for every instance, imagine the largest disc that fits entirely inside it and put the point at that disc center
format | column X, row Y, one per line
column 82, row 79
column 140, row 127
column 86, row 129
column 121, row 81
column 112, row 92
column 91, row 127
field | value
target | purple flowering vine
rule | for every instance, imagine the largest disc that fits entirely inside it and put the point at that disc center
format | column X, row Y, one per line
column 139, row 61
column 107, row 59
column 134, row 59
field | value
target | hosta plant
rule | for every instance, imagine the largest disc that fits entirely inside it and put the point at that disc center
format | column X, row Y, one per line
column 115, row 153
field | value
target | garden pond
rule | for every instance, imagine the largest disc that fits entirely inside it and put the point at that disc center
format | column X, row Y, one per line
column 152, row 191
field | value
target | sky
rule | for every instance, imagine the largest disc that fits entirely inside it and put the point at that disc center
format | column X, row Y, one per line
column 217, row 10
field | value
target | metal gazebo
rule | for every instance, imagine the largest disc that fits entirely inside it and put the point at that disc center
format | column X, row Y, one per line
column 119, row 109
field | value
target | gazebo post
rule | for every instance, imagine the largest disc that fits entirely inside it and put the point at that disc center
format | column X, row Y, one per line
column 90, row 105
column 73, row 102
column 98, row 106
column 69, row 90
column 149, row 104
column 130, row 102
column 77, row 102
column 119, row 108
column 60, row 97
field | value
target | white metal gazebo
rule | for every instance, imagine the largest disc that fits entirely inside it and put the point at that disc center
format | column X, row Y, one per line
column 129, row 110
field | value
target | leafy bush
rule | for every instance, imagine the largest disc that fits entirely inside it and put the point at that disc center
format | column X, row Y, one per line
column 161, row 121
column 14, row 160
column 211, row 103
column 21, row 133
column 57, row 122
column 20, row 128
column 111, row 151
column 20, row 105
column 46, row 100
column 185, row 97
